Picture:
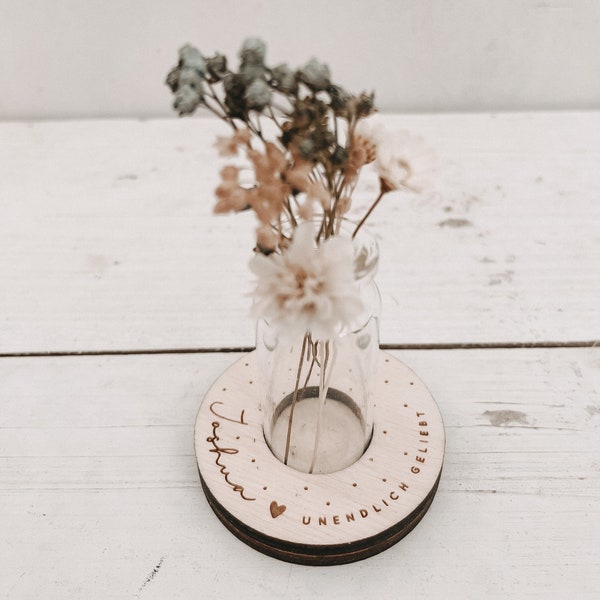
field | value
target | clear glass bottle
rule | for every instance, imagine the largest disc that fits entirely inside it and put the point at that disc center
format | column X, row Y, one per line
column 320, row 420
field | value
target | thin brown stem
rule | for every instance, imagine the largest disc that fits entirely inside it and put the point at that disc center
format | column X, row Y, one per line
column 274, row 118
column 362, row 221
column 224, row 115
column 294, row 399
column 288, row 206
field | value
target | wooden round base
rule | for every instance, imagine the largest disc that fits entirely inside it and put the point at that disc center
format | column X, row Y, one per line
column 320, row 519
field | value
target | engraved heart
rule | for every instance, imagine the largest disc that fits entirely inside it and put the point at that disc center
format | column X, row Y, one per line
column 277, row 509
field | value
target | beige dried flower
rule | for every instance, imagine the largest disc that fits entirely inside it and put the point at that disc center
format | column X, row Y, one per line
column 267, row 238
column 299, row 175
column 343, row 205
column 267, row 203
column 228, row 146
column 269, row 166
column 401, row 160
column 231, row 197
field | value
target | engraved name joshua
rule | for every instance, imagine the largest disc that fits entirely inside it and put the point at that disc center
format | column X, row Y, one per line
column 219, row 451
column 393, row 495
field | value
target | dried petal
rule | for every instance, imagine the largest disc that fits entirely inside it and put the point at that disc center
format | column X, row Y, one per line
column 307, row 288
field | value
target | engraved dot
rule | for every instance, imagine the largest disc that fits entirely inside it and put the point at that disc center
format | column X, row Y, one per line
column 370, row 460
column 237, row 437
column 224, row 389
column 265, row 487
column 406, row 406
column 250, row 382
column 327, row 503
column 387, row 360
column 253, row 460
column 384, row 480
column 386, row 381
column 246, row 364
column 354, row 484
column 385, row 432
column 305, row 487
column 406, row 454
column 412, row 383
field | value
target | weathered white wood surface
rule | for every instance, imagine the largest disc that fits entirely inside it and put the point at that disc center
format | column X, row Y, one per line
column 100, row 496
column 107, row 241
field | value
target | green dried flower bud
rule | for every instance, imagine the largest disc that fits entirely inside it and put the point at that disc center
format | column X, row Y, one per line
column 233, row 84
column 287, row 134
column 190, row 57
column 284, row 79
column 339, row 156
column 191, row 78
column 365, row 104
column 251, row 71
column 306, row 147
column 326, row 138
column 253, row 51
column 186, row 100
column 340, row 99
column 234, row 95
column 257, row 95
column 173, row 79
column 315, row 75
column 217, row 67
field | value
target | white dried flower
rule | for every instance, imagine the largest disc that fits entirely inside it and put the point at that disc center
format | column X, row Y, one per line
column 405, row 161
column 371, row 129
column 402, row 160
column 308, row 288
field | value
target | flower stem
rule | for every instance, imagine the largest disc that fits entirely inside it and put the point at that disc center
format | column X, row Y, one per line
column 225, row 116
column 323, row 388
column 362, row 221
column 294, row 399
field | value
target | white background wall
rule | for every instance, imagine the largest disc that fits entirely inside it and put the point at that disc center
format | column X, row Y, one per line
column 93, row 58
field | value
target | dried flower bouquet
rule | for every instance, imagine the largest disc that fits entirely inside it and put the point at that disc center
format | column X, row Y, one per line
column 303, row 178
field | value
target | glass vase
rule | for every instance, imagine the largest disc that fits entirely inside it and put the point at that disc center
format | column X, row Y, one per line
column 316, row 396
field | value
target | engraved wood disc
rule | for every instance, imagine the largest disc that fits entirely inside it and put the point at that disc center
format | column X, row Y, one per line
column 320, row 519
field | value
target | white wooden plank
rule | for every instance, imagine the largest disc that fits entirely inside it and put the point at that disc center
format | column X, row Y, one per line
column 107, row 241
column 100, row 496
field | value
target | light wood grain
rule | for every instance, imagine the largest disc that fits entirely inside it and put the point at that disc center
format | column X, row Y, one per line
column 378, row 497
column 107, row 241
column 100, row 496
